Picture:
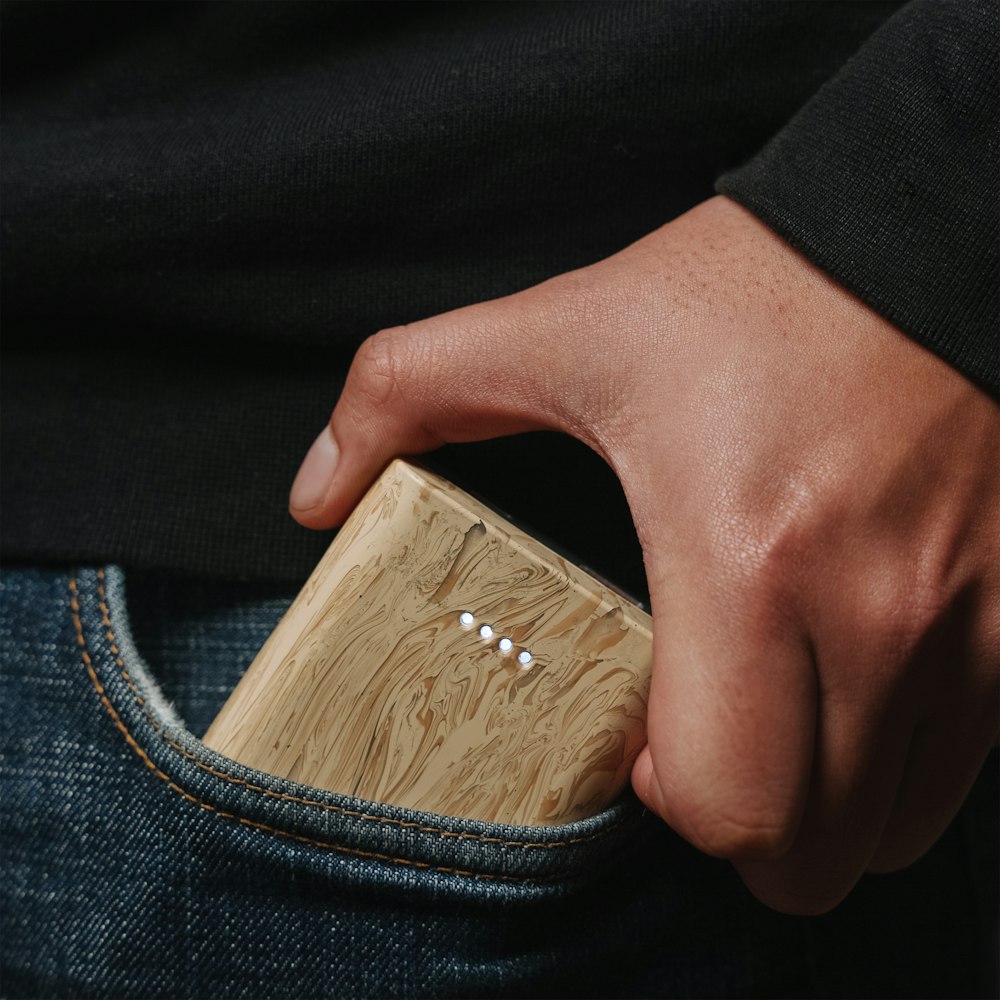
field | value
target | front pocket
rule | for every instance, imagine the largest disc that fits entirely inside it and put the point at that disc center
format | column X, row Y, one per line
column 383, row 842
column 138, row 864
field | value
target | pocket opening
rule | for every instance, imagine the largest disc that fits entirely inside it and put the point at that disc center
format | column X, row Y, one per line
column 306, row 817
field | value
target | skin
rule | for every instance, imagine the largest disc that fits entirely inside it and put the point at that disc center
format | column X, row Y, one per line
column 818, row 506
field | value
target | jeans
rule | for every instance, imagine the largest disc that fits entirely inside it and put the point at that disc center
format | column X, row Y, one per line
column 139, row 863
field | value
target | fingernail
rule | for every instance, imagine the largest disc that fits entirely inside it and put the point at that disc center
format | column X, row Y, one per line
column 316, row 471
column 644, row 781
column 642, row 771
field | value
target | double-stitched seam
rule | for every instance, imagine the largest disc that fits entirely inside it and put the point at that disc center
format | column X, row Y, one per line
column 285, row 796
column 253, row 824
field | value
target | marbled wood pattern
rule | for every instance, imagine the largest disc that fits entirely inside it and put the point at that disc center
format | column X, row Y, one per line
column 370, row 686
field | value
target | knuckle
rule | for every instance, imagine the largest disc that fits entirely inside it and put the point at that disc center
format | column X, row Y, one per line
column 777, row 554
column 382, row 367
column 752, row 833
column 756, row 572
column 919, row 609
column 900, row 612
column 764, row 549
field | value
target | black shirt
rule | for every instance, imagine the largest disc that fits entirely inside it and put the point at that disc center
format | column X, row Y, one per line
column 206, row 207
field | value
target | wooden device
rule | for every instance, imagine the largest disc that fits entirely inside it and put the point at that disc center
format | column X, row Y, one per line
column 442, row 659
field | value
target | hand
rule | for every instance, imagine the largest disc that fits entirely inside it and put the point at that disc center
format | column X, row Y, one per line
column 817, row 501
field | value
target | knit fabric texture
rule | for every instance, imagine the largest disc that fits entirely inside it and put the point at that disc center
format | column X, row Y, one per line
column 888, row 180
column 207, row 207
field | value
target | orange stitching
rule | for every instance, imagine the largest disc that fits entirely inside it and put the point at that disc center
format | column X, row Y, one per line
column 110, row 635
column 173, row 786
column 286, row 797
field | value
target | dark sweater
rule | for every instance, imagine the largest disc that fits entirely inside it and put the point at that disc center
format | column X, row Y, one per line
column 207, row 207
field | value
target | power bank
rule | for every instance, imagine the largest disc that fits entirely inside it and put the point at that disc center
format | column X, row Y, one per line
column 442, row 659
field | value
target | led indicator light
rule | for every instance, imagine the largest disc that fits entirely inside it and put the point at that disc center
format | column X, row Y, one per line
column 486, row 632
column 466, row 618
column 505, row 645
column 524, row 657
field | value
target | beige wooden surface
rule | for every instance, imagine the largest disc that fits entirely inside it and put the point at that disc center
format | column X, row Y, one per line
column 372, row 686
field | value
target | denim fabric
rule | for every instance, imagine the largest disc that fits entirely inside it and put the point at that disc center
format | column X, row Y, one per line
column 138, row 863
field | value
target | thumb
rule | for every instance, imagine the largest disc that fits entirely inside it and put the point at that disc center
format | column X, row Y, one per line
column 488, row 370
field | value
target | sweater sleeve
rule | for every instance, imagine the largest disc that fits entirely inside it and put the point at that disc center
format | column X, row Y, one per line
column 887, row 179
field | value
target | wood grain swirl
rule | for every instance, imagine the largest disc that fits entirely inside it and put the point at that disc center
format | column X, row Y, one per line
column 371, row 686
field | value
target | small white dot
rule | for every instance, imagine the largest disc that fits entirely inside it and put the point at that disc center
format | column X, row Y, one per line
column 486, row 632
column 505, row 645
column 466, row 618
column 524, row 657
